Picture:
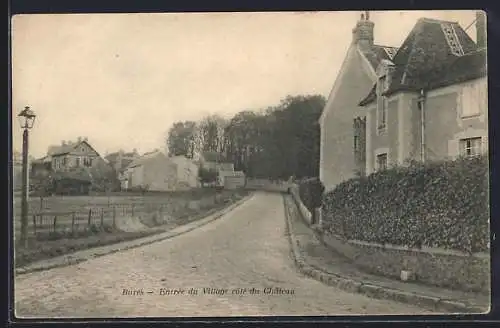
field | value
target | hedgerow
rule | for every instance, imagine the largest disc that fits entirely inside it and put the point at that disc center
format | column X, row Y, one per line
column 311, row 193
column 439, row 204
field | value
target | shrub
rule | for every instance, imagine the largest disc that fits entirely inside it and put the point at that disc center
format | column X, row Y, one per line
column 311, row 193
column 439, row 204
column 207, row 176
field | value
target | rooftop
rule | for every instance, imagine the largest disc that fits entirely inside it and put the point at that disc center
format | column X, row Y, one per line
column 436, row 53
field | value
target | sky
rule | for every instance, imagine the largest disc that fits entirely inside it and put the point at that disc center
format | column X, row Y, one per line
column 122, row 80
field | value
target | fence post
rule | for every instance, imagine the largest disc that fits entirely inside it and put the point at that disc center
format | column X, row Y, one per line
column 55, row 222
column 90, row 217
column 73, row 222
column 114, row 216
column 132, row 210
column 34, row 224
column 102, row 217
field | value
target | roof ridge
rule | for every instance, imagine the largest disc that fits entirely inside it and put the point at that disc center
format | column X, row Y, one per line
column 383, row 46
column 435, row 20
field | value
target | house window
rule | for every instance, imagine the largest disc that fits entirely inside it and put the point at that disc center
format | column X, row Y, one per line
column 64, row 161
column 381, row 104
column 470, row 147
column 356, row 143
column 87, row 161
column 381, row 162
column 78, row 162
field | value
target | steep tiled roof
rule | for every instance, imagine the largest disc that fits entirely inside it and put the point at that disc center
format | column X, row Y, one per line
column 427, row 55
column 145, row 158
column 467, row 67
column 64, row 149
column 378, row 53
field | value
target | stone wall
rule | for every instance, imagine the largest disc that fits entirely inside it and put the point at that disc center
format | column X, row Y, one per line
column 437, row 267
column 306, row 214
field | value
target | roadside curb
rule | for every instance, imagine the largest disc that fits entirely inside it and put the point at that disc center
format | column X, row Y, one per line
column 72, row 259
column 366, row 288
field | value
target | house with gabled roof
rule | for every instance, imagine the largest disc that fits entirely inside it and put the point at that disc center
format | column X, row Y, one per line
column 357, row 74
column 429, row 102
column 74, row 164
column 70, row 154
column 153, row 171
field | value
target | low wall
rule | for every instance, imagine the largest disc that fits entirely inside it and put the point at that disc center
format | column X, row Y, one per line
column 306, row 214
column 437, row 267
column 266, row 185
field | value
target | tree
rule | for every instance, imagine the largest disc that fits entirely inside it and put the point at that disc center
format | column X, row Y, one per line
column 278, row 141
column 103, row 176
column 275, row 142
column 180, row 140
column 206, row 175
column 210, row 134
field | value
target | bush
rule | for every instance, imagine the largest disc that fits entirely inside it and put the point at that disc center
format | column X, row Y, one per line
column 440, row 204
column 207, row 175
column 311, row 193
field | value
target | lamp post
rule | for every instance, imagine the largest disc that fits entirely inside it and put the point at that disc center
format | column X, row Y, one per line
column 26, row 119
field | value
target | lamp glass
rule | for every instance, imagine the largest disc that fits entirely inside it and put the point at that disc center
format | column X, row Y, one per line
column 26, row 118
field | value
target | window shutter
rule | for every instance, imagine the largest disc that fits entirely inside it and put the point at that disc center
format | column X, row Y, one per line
column 453, row 148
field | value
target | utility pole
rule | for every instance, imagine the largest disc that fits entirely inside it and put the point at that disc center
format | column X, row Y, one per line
column 421, row 103
column 27, row 119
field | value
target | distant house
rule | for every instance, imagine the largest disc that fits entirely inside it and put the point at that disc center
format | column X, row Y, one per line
column 430, row 101
column 187, row 172
column 153, row 171
column 70, row 155
column 76, row 163
column 215, row 161
column 338, row 161
column 120, row 160
column 233, row 180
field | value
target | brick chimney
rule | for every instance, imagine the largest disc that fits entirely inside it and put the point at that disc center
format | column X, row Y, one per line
column 481, row 29
column 362, row 34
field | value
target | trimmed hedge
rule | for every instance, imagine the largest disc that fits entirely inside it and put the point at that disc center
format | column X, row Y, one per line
column 439, row 204
column 311, row 193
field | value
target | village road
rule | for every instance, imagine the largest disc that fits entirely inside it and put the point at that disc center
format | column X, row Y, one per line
column 246, row 250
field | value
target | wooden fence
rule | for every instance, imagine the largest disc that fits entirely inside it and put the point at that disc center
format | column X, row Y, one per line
column 47, row 222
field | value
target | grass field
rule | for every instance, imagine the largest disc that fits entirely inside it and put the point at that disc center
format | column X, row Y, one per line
column 74, row 230
column 76, row 212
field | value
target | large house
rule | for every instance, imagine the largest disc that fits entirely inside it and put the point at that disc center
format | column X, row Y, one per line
column 75, row 164
column 187, row 172
column 70, row 155
column 430, row 101
column 153, row 171
column 357, row 74
column 434, row 83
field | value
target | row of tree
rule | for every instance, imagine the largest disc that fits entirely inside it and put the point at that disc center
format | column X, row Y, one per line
column 276, row 142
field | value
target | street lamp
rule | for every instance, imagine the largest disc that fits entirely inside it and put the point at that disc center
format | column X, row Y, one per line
column 27, row 120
